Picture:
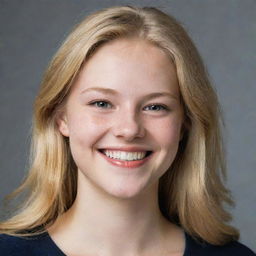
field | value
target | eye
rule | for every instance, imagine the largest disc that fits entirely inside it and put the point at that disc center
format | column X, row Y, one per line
column 156, row 107
column 100, row 104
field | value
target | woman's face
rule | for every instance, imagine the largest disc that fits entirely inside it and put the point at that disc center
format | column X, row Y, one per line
column 123, row 118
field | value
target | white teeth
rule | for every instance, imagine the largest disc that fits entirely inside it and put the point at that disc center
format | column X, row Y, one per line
column 123, row 155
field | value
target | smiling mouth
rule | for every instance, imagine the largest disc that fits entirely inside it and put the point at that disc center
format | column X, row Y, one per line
column 124, row 155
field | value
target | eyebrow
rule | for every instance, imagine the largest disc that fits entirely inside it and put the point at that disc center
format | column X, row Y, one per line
column 113, row 92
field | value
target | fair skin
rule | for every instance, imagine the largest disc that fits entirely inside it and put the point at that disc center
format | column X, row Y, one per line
column 115, row 105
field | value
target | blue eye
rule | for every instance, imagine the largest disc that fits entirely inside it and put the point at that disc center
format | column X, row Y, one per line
column 101, row 104
column 156, row 107
column 106, row 105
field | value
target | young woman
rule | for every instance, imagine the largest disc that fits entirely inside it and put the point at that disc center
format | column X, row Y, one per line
column 127, row 157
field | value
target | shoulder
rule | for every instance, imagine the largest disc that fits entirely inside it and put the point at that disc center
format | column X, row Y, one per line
column 200, row 249
column 39, row 245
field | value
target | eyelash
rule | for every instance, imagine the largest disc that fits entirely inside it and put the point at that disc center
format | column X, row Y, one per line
column 163, row 107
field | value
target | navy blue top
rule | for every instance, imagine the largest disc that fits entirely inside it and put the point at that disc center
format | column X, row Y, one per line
column 43, row 245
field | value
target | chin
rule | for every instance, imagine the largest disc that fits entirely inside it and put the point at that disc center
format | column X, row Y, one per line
column 126, row 191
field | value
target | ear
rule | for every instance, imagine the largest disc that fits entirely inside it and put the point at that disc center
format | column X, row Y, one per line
column 62, row 124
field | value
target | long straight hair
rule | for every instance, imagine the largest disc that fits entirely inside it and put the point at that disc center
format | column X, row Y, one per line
column 192, row 193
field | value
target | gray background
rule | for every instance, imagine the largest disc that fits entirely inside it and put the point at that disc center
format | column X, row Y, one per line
column 225, row 34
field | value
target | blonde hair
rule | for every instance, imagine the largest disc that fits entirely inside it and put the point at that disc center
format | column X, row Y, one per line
column 191, row 192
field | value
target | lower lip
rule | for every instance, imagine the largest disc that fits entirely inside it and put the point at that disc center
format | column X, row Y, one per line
column 127, row 164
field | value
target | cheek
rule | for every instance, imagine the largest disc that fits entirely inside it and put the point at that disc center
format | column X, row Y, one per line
column 168, row 133
column 85, row 124
column 171, row 134
column 84, row 132
column 86, row 128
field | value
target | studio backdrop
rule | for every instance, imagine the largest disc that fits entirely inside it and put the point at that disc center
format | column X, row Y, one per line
column 225, row 34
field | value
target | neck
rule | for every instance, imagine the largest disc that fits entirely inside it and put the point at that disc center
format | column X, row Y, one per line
column 106, row 225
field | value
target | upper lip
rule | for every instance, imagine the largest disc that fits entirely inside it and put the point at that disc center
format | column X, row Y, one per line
column 128, row 149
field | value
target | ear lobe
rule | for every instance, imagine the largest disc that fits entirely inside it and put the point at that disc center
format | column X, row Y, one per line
column 62, row 125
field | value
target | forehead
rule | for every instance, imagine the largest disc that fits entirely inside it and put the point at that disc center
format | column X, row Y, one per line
column 134, row 48
column 132, row 63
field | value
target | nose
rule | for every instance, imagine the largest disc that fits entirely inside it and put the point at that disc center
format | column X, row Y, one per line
column 128, row 126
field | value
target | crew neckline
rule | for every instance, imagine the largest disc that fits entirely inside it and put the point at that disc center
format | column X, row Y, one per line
column 47, row 236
